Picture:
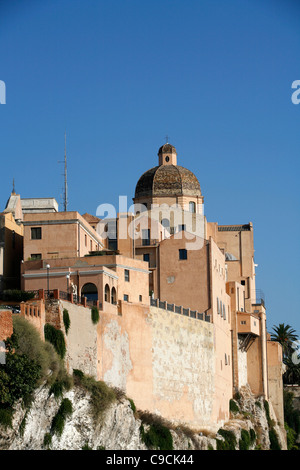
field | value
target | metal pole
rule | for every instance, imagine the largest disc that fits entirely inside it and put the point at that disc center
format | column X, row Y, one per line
column 48, row 288
column 68, row 285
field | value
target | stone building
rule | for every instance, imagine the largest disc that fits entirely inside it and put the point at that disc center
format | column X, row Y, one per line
column 181, row 325
column 11, row 243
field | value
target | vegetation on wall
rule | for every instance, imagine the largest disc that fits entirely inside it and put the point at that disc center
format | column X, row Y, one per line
column 66, row 320
column 95, row 315
column 56, row 338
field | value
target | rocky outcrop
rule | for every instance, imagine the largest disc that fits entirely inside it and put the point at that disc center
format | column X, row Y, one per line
column 120, row 426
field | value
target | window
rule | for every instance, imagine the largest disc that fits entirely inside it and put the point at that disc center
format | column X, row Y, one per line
column 126, row 275
column 140, row 298
column 167, row 159
column 181, row 227
column 36, row 256
column 221, row 308
column 192, row 207
column 243, row 283
column 107, row 293
column 218, row 305
column 113, row 296
column 146, row 257
column 243, row 322
column 146, row 237
column 85, row 240
column 224, row 312
column 36, row 233
column 182, row 254
column 126, row 297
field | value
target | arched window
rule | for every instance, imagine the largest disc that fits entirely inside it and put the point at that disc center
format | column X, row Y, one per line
column 113, row 296
column 107, row 293
column 192, row 207
column 166, row 224
column 90, row 291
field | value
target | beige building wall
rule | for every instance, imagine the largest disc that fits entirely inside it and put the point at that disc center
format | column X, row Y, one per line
column 164, row 362
column 275, row 382
column 220, row 308
column 63, row 235
column 11, row 251
column 129, row 276
column 184, row 282
column 237, row 240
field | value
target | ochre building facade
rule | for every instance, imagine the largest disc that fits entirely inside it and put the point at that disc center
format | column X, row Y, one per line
column 182, row 327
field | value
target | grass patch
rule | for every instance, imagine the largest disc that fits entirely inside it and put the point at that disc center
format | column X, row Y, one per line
column 274, row 443
column 132, row 405
column 229, row 442
column 158, row 435
column 58, row 422
column 6, row 415
column 245, row 440
column 23, row 424
column 102, row 396
column 233, row 406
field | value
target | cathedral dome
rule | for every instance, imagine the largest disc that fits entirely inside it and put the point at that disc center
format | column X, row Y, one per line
column 167, row 180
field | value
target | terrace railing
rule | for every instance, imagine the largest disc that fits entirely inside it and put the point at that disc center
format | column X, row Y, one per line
column 180, row 310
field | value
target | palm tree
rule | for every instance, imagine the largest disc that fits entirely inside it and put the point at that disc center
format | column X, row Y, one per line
column 286, row 336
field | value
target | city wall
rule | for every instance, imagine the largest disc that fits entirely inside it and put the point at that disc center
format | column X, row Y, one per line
column 164, row 361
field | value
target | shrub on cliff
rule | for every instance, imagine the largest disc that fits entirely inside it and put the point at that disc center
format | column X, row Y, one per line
column 29, row 362
column 102, row 396
column 59, row 419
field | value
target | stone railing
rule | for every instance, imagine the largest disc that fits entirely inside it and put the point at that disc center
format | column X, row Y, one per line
column 180, row 310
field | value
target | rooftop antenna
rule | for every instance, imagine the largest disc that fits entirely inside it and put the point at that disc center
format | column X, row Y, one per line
column 65, row 177
column 167, row 139
column 66, row 186
column 13, row 190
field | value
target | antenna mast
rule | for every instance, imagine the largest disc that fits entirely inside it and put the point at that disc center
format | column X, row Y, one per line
column 66, row 185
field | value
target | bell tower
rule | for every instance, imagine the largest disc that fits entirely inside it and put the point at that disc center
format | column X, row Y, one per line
column 167, row 155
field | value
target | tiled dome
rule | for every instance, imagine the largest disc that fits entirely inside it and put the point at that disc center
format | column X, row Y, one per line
column 167, row 180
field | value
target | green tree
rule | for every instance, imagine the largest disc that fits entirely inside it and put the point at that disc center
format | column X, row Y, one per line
column 286, row 336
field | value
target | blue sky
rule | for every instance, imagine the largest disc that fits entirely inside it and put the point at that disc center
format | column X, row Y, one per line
column 120, row 75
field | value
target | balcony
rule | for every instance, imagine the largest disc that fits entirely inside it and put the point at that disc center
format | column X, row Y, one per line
column 247, row 324
column 259, row 297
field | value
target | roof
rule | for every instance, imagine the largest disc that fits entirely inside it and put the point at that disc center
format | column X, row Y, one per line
column 167, row 180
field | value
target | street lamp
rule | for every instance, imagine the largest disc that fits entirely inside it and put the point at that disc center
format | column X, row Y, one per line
column 68, row 285
column 48, row 268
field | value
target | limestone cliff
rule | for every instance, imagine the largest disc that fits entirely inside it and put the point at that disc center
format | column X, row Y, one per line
column 120, row 427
